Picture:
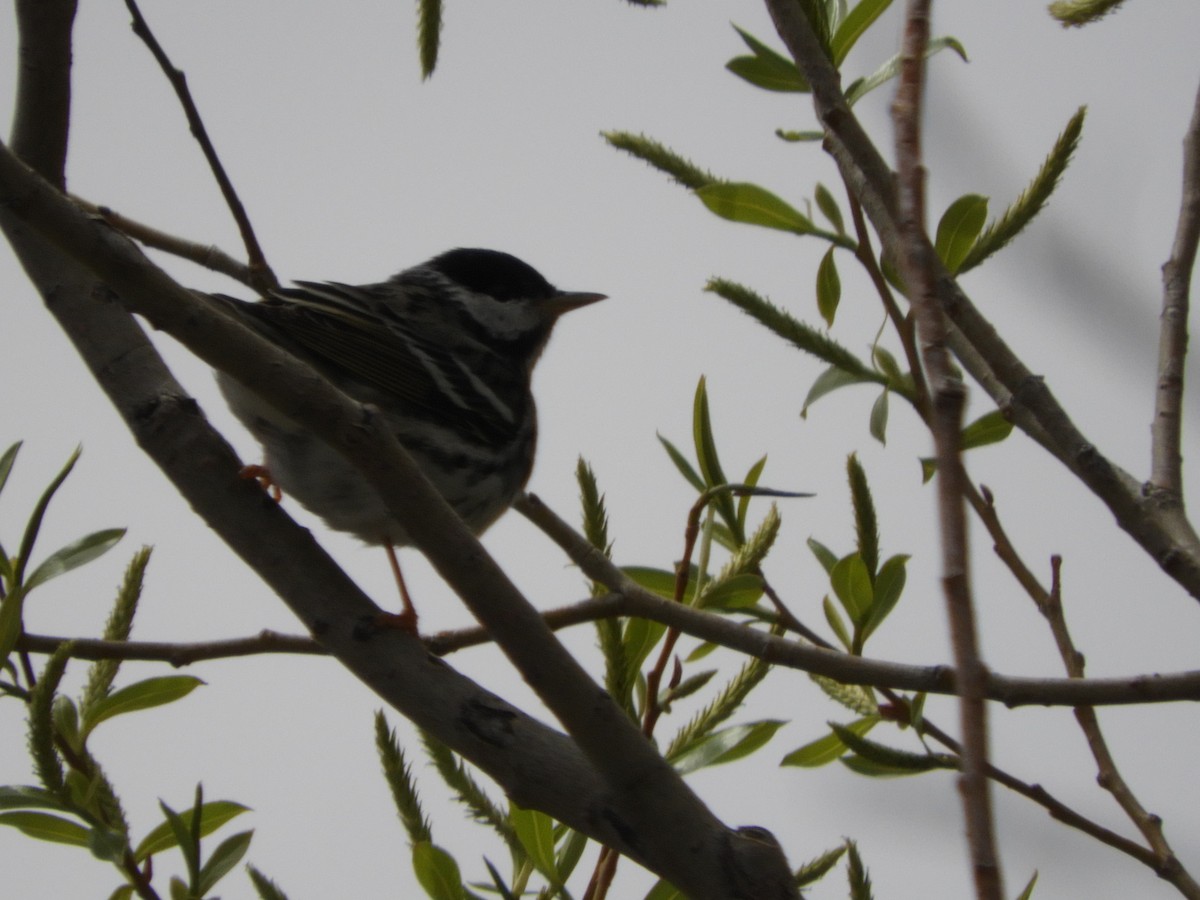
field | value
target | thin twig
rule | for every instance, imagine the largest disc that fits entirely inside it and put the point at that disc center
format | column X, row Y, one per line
column 207, row 255
column 948, row 399
column 1109, row 777
column 262, row 277
column 1166, row 462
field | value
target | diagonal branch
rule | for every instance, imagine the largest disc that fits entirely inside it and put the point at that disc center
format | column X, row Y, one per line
column 264, row 279
column 1164, row 533
column 1166, row 477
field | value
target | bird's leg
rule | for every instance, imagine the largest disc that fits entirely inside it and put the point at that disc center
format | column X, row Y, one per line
column 262, row 475
column 406, row 619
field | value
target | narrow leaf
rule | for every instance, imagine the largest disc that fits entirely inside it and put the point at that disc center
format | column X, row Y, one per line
column 144, row 694
column 6, row 462
column 1028, row 891
column 227, row 855
column 826, row 749
column 681, row 463
column 214, row 814
column 958, row 229
column 890, row 760
column 74, row 555
column 836, row 623
column 266, row 888
column 889, row 585
column 437, row 872
column 885, row 73
column 767, row 68
column 877, row 423
column 828, row 382
column 990, row 428
column 851, row 583
column 854, row 26
column 824, row 555
column 726, row 745
column 39, row 511
column 829, row 207
column 751, row 204
column 535, row 831
column 829, row 288
column 45, row 827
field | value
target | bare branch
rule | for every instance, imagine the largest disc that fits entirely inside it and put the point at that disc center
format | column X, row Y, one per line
column 1166, row 477
column 207, row 255
column 262, row 276
column 918, row 263
column 1165, row 534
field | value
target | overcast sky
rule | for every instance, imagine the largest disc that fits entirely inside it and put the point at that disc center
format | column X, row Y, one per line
column 352, row 169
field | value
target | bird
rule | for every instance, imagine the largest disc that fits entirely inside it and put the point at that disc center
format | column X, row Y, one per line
column 446, row 351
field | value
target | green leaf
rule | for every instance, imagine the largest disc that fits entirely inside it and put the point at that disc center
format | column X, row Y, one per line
column 1028, row 892
column 855, row 26
column 33, row 526
column 751, row 204
column 681, row 463
column 829, row 206
column 163, row 837
column 990, row 428
column 45, row 827
column 928, row 469
column 664, row 890
column 641, row 636
column 856, row 874
column 227, row 855
column 735, row 592
column 751, row 480
column 877, row 424
column 889, row 585
column 766, row 69
column 145, row 694
column 266, row 888
column 6, row 462
column 826, row 749
column 872, row 758
column 658, row 581
column 824, row 555
column 535, row 831
column 28, row 796
column 437, row 872
column 885, row 73
column 851, row 582
column 709, row 461
column 726, row 745
column 958, row 229
column 12, row 609
column 836, row 623
column 74, row 555
column 829, row 288
column 829, row 381
column 571, row 844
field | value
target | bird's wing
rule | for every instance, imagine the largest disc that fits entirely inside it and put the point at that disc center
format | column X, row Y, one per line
column 340, row 330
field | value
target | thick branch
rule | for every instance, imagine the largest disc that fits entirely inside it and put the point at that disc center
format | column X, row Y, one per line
column 642, row 790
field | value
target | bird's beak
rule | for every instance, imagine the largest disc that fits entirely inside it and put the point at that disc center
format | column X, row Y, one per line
column 569, row 300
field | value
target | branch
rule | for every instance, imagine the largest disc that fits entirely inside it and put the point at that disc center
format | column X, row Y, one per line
column 1165, row 534
column 626, row 776
column 1109, row 776
column 947, row 401
column 1166, row 478
column 261, row 274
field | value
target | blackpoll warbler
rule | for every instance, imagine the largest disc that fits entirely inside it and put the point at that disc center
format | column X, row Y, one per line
column 445, row 350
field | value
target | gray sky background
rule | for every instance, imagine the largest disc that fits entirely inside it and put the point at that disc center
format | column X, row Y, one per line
column 352, row 169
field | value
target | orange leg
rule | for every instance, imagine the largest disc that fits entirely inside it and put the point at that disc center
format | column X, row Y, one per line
column 262, row 475
column 406, row 619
